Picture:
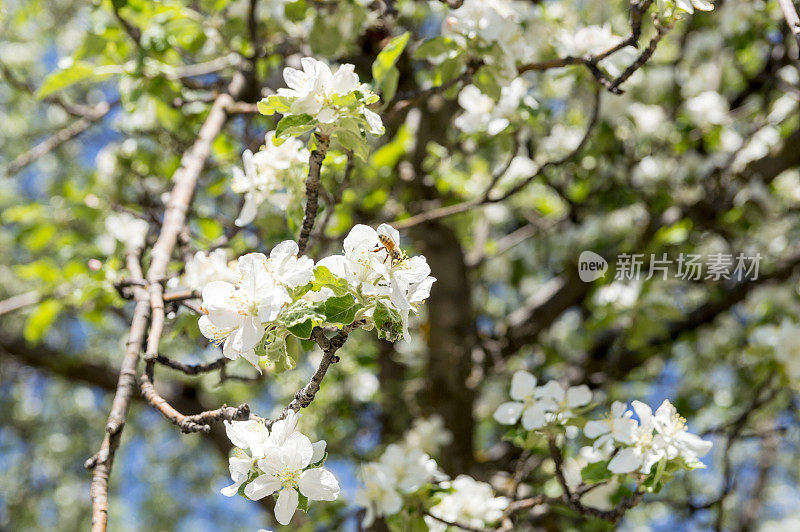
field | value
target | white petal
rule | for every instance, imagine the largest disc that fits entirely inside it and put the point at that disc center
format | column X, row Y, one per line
column 552, row 391
column 286, row 505
column 644, row 413
column 360, row 235
column 233, row 489
column 261, row 486
column 374, row 122
column 508, row 413
column 297, row 451
column 625, row 461
column 593, row 429
column 578, row 396
column 523, row 385
column 534, row 417
column 319, row 484
column 295, row 79
column 246, row 337
column 319, row 451
column 695, row 444
column 345, row 80
column 249, row 210
column 281, row 430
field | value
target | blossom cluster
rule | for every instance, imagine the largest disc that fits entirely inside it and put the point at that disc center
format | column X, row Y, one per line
column 271, row 298
column 280, row 461
column 405, row 471
column 621, row 444
column 401, row 470
column 274, row 174
column 334, row 103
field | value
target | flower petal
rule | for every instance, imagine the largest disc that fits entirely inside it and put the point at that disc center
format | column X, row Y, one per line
column 523, row 385
column 625, row 461
column 286, row 505
column 262, row 486
column 319, row 484
column 508, row 413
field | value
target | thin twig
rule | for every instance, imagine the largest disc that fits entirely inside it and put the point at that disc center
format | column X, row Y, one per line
column 312, row 189
column 57, row 139
column 305, row 396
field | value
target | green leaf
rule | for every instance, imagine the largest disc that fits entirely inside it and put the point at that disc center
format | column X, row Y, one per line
column 596, row 472
column 353, row 141
column 435, row 47
column 62, row 79
column 341, row 310
column 323, row 278
column 302, row 502
column 40, row 321
column 486, row 80
column 274, row 104
column 387, row 57
column 293, row 125
column 301, row 317
column 388, row 322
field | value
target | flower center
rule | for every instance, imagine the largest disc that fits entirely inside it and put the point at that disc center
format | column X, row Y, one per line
column 288, row 477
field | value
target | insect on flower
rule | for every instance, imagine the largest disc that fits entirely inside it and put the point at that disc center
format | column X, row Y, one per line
column 388, row 243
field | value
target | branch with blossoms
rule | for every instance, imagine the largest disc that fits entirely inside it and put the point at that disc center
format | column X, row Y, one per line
column 627, row 457
column 270, row 309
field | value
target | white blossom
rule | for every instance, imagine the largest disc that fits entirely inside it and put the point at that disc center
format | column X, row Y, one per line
column 237, row 313
column 707, row 108
column 128, row 229
column 471, row 503
column 428, row 434
column 412, row 468
column 538, row 406
column 274, row 174
column 378, row 493
column 205, row 267
column 784, row 339
column 657, row 437
column 482, row 113
column 370, row 269
column 314, row 91
column 282, row 459
column 585, row 40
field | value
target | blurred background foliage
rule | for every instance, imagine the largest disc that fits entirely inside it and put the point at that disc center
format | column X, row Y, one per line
column 663, row 172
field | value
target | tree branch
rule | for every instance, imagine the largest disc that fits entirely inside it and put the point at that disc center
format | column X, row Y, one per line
column 174, row 217
column 312, row 189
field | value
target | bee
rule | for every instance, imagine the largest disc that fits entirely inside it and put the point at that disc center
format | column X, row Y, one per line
column 388, row 243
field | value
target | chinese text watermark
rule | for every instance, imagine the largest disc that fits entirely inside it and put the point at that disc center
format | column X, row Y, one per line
column 686, row 266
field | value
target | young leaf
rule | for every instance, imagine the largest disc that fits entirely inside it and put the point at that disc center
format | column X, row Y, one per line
column 387, row 57
column 341, row 310
column 62, row 79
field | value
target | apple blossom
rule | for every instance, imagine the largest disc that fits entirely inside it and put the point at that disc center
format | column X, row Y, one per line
column 237, row 313
column 428, row 434
column 538, row 406
column 324, row 99
column 284, row 461
column 617, row 425
column 412, row 467
column 377, row 493
column 471, row 503
column 482, row 113
column 128, row 229
column 205, row 267
column 274, row 174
